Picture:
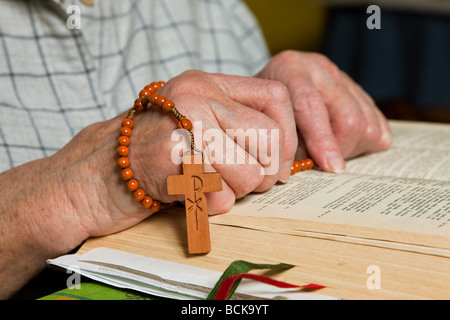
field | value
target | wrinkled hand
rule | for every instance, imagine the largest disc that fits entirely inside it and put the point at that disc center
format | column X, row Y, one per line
column 337, row 120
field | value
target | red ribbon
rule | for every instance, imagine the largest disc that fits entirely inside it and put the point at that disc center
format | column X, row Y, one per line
column 226, row 285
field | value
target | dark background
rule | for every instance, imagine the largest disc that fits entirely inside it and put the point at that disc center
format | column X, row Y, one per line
column 404, row 66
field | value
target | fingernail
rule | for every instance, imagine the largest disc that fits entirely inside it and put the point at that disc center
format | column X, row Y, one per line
column 284, row 181
column 386, row 140
column 335, row 162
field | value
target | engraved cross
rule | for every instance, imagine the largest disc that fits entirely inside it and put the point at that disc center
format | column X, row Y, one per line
column 194, row 183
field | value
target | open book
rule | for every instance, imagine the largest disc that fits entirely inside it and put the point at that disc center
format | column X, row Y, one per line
column 379, row 231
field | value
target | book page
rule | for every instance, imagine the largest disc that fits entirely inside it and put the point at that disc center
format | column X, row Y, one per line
column 405, row 189
column 384, row 203
column 395, row 195
column 419, row 150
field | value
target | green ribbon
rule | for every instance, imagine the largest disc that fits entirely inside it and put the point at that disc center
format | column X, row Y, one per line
column 239, row 267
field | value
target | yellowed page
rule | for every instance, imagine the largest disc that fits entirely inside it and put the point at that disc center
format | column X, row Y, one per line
column 367, row 207
column 379, row 202
column 375, row 201
column 419, row 150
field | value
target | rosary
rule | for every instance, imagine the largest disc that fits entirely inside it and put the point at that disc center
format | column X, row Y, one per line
column 194, row 182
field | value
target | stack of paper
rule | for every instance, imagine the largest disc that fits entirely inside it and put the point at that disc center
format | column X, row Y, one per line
column 163, row 278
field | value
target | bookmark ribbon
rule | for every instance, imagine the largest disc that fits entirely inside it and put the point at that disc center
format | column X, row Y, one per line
column 238, row 270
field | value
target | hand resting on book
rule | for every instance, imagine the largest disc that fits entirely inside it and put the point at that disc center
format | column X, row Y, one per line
column 337, row 120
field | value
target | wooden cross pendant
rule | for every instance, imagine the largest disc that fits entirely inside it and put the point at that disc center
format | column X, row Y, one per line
column 194, row 183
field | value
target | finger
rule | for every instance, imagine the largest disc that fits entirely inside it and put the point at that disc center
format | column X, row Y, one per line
column 378, row 135
column 313, row 121
column 257, row 135
column 368, row 138
column 358, row 125
column 348, row 115
column 222, row 201
column 239, row 170
column 349, row 119
column 272, row 99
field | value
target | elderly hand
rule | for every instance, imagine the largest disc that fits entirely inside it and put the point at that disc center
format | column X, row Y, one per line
column 337, row 120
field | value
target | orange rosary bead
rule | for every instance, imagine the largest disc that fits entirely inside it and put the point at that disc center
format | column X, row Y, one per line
column 154, row 98
column 144, row 93
column 138, row 106
column 161, row 100
column 123, row 151
column 125, row 131
column 293, row 169
column 147, row 202
column 309, row 164
column 302, row 165
column 126, row 174
column 123, row 162
column 139, row 195
column 132, row 185
column 185, row 124
column 153, row 87
column 168, row 105
column 156, row 206
column 124, row 141
column 128, row 123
